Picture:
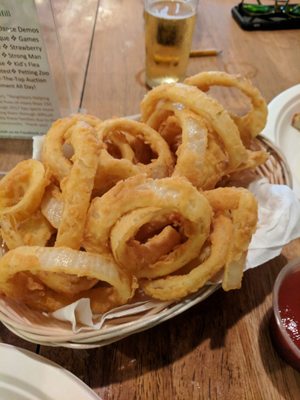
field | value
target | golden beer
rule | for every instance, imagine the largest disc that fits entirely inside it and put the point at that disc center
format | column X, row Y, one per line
column 169, row 27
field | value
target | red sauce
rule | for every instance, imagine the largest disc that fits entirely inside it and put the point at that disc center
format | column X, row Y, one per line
column 289, row 305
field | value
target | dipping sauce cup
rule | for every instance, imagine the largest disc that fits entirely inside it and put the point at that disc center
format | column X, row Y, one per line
column 285, row 321
column 169, row 27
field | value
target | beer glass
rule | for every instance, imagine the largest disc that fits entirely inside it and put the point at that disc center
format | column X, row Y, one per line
column 169, row 26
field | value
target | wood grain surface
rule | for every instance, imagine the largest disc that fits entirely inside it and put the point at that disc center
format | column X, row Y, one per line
column 221, row 348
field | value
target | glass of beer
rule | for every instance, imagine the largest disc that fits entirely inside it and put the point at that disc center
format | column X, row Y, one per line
column 169, row 26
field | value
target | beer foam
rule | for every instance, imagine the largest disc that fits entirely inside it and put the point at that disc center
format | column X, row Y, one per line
column 171, row 10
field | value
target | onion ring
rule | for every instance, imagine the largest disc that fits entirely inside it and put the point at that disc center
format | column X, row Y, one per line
column 33, row 231
column 200, row 156
column 53, row 155
column 176, row 287
column 67, row 284
column 195, row 100
column 253, row 122
column 22, row 189
column 243, row 210
column 181, row 125
column 52, row 205
column 19, row 270
column 134, row 254
column 230, row 239
column 126, row 162
column 77, row 186
column 175, row 195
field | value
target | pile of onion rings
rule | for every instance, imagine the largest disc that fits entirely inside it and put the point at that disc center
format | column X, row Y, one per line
column 117, row 205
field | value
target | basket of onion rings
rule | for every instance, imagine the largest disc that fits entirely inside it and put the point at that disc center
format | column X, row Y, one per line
column 139, row 218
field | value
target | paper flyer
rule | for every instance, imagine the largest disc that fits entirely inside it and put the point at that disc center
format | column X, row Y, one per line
column 28, row 101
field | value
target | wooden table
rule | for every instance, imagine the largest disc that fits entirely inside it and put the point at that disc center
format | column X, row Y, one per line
column 221, row 348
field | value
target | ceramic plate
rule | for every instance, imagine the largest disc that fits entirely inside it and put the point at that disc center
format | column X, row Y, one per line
column 281, row 132
column 27, row 376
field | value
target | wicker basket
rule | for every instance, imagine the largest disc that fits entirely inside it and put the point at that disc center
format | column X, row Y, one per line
column 38, row 328
column 276, row 168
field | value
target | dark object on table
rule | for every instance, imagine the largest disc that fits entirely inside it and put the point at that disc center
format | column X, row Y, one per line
column 267, row 17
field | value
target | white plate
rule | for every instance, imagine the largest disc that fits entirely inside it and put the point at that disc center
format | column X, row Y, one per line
column 27, row 376
column 281, row 132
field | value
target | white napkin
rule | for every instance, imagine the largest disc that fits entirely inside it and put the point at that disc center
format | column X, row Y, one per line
column 80, row 315
column 278, row 221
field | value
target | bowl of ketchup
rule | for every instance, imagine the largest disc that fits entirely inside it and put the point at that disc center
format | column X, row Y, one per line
column 285, row 321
